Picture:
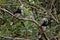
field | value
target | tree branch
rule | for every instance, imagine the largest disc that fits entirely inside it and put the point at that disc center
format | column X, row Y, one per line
column 37, row 8
column 24, row 19
column 14, row 38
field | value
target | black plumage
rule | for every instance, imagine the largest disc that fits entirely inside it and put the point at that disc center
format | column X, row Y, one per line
column 44, row 22
column 18, row 11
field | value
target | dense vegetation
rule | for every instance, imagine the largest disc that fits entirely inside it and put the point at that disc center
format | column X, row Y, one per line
column 33, row 10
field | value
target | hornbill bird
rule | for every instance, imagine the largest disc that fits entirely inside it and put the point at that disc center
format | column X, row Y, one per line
column 44, row 24
column 43, row 28
column 18, row 13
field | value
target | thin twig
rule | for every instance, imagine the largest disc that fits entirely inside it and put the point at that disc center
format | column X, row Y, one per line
column 20, row 2
column 55, row 11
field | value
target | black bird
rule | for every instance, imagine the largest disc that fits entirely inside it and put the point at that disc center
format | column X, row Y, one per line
column 18, row 13
column 43, row 28
column 44, row 23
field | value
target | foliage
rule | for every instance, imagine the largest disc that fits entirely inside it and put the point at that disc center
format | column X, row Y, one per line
column 12, row 26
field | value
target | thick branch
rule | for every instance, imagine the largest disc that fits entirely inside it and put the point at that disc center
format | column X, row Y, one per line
column 14, row 38
column 25, row 19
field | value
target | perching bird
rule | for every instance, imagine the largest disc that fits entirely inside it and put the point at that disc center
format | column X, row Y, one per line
column 18, row 13
column 44, row 23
